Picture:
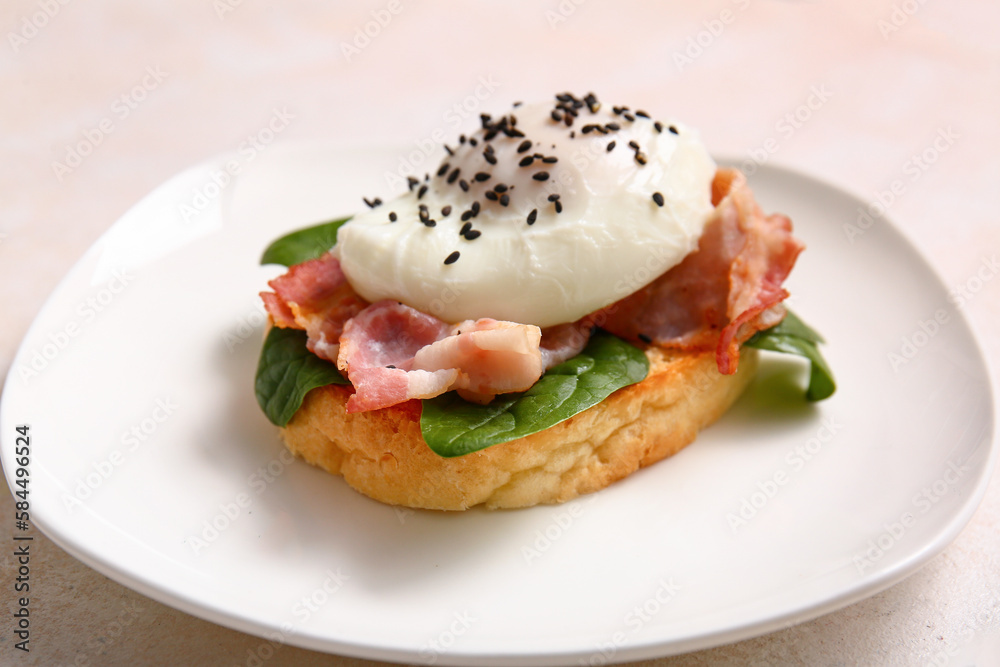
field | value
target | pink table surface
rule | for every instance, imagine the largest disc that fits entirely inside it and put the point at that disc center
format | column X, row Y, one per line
column 157, row 86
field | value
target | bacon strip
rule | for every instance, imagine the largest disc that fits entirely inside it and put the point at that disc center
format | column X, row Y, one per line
column 562, row 342
column 722, row 293
column 392, row 353
column 314, row 296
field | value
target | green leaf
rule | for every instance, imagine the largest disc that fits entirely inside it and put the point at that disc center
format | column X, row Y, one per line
column 793, row 336
column 452, row 426
column 303, row 244
column 287, row 371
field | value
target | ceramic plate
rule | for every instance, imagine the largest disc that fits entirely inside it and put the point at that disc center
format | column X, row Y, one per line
column 152, row 463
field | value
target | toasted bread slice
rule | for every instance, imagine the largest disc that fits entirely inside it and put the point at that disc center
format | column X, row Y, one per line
column 382, row 454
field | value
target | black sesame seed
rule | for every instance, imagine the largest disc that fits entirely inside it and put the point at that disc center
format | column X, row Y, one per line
column 628, row 117
column 448, row 150
column 556, row 116
column 473, row 142
column 466, row 215
column 423, row 213
column 490, row 157
column 444, row 169
column 553, row 197
column 446, row 211
column 568, row 119
column 572, row 135
column 393, row 217
column 587, row 129
column 523, row 146
column 453, row 175
column 452, row 258
column 658, row 198
column 645, row 339
column 517, row 104
column 640, row 158
column 641, row 114
column 475, row 208
column 390, row 366
column 504, row 200
column 611, row 146
column 512, row 132
column 492, row 196
column 465, row 228
column 614, row 127
column 482, row 176
column 472, row 234
column 373, row 203
column 499, row 187
column 422, row 191
column 430, row 223
column 550, row 160
column 673, row 130
column 541, row 176
column 558, row 206
column 634, row 145
column 525, row 161
column 532, row 216
column 464, row 185
column 411, row 182
column 659, row 126
column 461, row 138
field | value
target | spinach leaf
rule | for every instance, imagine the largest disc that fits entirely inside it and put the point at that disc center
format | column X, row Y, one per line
column 287, row 370
column 303, row 244
column 793, row 336
column 452, row 427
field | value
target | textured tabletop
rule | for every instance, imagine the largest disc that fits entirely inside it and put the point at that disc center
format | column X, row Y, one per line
column 896, row 101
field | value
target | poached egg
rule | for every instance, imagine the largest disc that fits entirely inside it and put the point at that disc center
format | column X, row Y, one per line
column 542, row 216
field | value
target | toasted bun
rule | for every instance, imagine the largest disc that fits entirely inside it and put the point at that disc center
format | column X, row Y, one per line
column 382, row 455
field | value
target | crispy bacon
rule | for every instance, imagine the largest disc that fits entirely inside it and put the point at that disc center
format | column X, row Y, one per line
column 392, row 353
column 722, row 293
column 562, row 342
column 314, row 296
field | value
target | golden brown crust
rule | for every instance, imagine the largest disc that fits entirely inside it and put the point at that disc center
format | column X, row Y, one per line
column 381, row 453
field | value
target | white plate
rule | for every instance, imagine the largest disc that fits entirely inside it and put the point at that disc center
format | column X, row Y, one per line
column 145, row 432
